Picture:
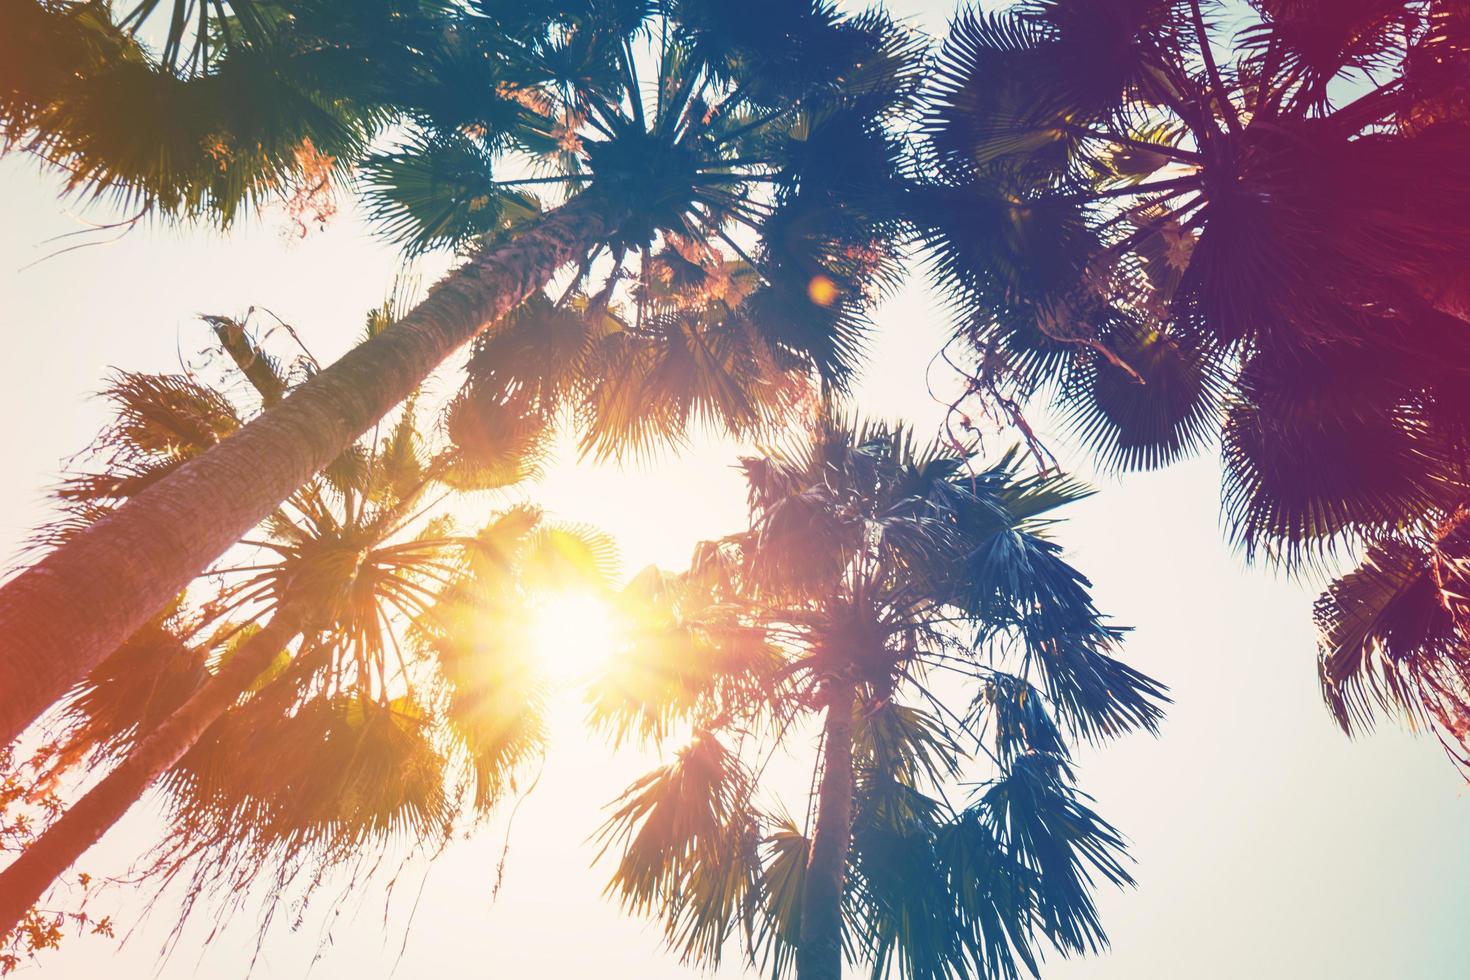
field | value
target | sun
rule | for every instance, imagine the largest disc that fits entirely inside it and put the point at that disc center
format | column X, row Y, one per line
column 573, row 634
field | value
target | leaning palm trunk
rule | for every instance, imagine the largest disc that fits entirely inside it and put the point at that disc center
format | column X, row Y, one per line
column 26, row 880
column 126, row 567
column 819, row 955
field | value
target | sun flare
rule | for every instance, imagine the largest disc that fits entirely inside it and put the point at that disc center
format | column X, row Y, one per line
column 573, row 634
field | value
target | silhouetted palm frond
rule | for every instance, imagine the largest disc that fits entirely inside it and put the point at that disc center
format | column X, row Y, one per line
column 1177, row 236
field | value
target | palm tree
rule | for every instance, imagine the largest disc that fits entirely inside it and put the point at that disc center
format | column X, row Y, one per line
column 706, row 126
column 280, row 702
column 915, row 605
column 1267, row 248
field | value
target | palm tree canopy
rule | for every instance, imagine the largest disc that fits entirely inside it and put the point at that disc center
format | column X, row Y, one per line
column 406, row 698
column 714, row 132
column 912, row 575
column 1266, row 247
column 746, row 158
column 163, row 130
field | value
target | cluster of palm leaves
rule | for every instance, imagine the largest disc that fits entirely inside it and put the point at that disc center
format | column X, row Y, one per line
column 719, row 179
column 680, row 212
column 734, row 259
column 634, row 376
column 1269, row 248
column 918, row 607
column 164, row 127
column 390, row 687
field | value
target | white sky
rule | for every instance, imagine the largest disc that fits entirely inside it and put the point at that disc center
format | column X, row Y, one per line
column 1267, row 844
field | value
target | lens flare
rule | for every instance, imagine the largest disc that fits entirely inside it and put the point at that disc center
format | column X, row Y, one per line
column 822, row 291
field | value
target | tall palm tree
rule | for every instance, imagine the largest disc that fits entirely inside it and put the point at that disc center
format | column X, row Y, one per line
column 916, row 607
column 1178, row 240
column 288, row 710
column 759, row 134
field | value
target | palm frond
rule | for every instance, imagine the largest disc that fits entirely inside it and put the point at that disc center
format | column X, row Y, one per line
column 1021, row 721
column 904, row 744
column 778, row 928
column 437, row 191
column 1391, row 637
column 373, row 775
column 199, row 149
column 1167, row 409
column 910, row 918
column 1046, row 827
column 1323, row 446
column 690, row 848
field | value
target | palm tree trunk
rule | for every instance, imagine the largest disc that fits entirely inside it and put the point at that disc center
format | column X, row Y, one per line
column 26, row 880
column 819, row 953
column 60, row 617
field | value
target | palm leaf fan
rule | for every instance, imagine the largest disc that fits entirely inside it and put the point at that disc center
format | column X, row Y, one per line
column 1045, row 826
column 1321, row 447
column 436, row 191
column 496, row 442
column 373, row 776
column 689, row 845
column 1392, row 635
column 1166, row 406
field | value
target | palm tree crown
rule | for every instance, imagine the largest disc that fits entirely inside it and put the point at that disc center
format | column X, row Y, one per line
column 1268, row 248
column 722, row 143
column 877, row 581
column 707, row 131
column 395, row 687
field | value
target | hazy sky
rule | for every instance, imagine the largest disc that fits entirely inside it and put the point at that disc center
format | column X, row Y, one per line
column 1267, row 844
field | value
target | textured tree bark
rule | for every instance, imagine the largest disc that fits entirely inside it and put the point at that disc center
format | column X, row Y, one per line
column 60, row 617
column 819, row 953
column 24, row 882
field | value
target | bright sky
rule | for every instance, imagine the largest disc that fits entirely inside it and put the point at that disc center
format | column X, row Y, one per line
column 1267, row 844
